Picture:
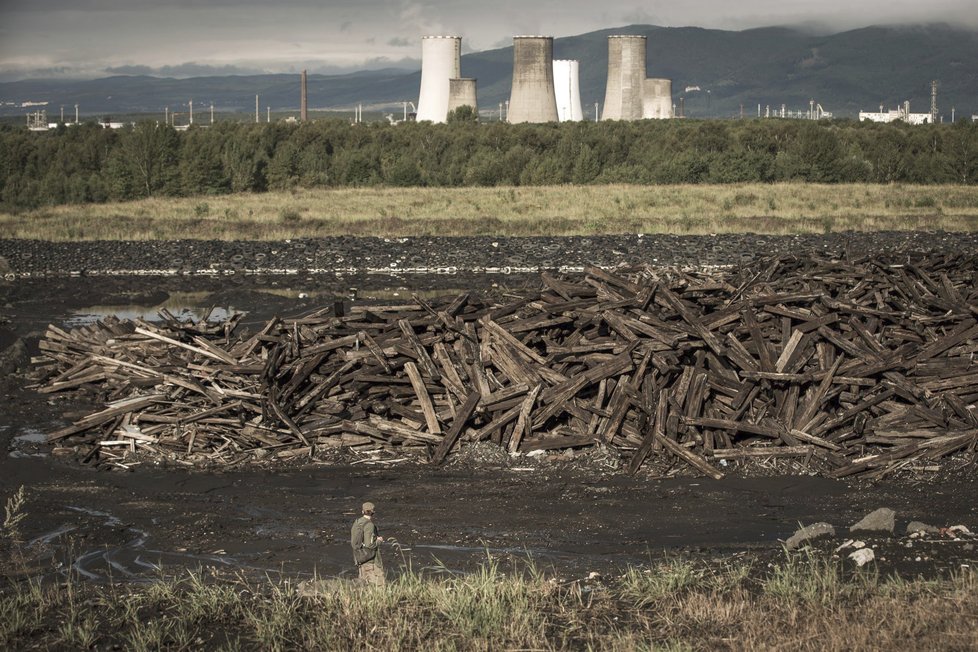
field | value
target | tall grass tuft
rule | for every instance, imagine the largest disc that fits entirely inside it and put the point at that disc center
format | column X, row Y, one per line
column 803, row 603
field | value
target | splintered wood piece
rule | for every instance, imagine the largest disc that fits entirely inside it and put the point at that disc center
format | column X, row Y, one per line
column 424, row 360
column 430, row 417
column 463, row 415
column 523, row 426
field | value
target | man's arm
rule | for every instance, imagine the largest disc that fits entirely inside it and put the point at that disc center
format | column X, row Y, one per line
column 370, row 539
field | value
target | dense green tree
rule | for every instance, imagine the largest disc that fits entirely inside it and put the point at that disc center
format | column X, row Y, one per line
column 87, row 163
column 149, row 154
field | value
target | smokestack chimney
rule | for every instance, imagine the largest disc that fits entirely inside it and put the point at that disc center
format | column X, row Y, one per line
column 440, row 62
column 532, row 98
column 303, row 100
column 626, row 78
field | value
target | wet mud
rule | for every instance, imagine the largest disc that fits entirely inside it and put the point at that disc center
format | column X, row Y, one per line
column 569, row 515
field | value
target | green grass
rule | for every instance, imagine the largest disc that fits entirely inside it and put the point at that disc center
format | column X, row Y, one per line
column 523, row 211
column 799, row 603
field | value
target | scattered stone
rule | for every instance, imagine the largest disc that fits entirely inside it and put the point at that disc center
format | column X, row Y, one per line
column 808, row 534
column 863, row 556
column 881, row 520
column 918, row 528
column 958, row 530
column 851, row 543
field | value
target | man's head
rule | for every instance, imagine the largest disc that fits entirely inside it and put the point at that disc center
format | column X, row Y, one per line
column 368, row 509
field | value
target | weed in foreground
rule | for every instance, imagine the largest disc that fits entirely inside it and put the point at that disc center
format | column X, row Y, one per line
column 802, row 602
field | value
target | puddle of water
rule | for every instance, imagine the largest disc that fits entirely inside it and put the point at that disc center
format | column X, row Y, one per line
column 23, row 445
column 20, row 455
column 183, row 305
column 92, row 314
column 31, row 436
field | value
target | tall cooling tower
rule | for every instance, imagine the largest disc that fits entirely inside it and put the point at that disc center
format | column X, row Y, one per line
column 441, row 60
column 657, row 99
column 626, row 78
column 461, row 92
column 532, row 98
column 567, row 90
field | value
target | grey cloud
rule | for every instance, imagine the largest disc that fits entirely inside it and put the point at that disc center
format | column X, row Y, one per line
column 189, row 69
column 641, row 17
column 400, row 42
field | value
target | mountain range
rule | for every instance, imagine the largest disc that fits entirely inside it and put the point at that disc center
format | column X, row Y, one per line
column 734, row 71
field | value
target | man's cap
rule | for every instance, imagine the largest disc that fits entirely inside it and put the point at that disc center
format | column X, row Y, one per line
column 368, row 507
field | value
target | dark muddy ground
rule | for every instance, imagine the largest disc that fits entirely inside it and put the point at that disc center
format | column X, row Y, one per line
column 570, row 515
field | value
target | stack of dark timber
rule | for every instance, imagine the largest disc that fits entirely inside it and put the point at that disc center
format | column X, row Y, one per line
column 864, row 366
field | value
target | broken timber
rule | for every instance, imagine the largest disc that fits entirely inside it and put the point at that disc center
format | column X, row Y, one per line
column 862, row 366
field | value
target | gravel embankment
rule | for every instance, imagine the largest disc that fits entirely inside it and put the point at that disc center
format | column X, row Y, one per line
column 427, row 255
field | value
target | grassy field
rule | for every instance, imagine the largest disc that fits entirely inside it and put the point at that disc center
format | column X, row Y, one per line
column 797, row 604
column 524, row 211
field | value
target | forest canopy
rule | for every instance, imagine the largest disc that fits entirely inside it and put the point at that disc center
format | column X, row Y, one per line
column 86, row 163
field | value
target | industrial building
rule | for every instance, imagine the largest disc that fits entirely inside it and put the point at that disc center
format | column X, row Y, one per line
column 567, row 90
column 626, row 78
column 532, row 98
column 441, row 61
column 657, row 99
column 629, row 94
column 462, row 92
column 899, row 114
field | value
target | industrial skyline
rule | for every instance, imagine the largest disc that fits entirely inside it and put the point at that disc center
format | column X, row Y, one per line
column 93, row 38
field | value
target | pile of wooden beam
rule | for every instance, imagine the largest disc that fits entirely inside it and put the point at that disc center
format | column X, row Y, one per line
column 865, row 366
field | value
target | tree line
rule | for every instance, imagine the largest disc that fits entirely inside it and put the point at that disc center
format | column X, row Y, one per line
column 86, row 163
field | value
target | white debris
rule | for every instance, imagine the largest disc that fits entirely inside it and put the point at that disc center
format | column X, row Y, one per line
column 863, row 556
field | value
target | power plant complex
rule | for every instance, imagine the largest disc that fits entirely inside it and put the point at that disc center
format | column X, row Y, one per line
column 544, row 89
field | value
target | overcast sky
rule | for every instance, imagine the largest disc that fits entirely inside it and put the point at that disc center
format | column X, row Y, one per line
column 71, row 38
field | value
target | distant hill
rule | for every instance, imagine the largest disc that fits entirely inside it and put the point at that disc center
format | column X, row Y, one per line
column 844, row 72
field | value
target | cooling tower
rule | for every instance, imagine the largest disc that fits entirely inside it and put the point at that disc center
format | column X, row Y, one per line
column 440, row 61
column 532, row 98
column 657, row 99
column 567, row 90
column 626, row 78
column 461, row 92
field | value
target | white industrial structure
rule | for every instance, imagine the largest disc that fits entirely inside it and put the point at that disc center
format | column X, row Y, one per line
column 532, row 98
column 899, row 114
column 441, row 61
column 567, row 90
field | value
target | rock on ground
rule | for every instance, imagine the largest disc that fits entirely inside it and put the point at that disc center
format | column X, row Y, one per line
column 917, row 527
column 808, row 534
column 881, row 520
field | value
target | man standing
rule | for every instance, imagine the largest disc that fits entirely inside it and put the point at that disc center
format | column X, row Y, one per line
column 366, row 541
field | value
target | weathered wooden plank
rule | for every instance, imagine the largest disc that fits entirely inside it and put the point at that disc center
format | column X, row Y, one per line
column 463, row 415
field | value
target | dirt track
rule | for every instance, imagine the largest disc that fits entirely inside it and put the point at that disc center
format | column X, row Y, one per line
column 574, row 515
